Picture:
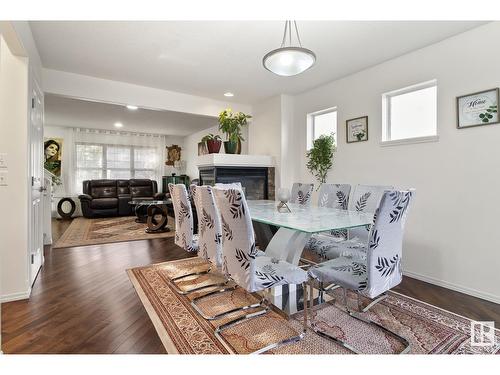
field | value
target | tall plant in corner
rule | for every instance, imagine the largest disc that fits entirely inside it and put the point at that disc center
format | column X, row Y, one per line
column 320, row 157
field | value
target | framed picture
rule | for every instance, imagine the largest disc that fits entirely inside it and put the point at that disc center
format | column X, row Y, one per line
column 479, row 108
column 53, row 155
column 173, row 154
column 357, row 129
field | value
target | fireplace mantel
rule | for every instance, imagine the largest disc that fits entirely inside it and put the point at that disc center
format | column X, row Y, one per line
column 235, row 160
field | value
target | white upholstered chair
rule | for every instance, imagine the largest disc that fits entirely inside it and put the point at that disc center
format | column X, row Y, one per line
column 381, row 270
column 301, row 193
column 241, row 263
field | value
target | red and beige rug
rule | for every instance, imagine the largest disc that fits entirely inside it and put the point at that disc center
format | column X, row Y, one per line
column 429, row 329
column 83, row 232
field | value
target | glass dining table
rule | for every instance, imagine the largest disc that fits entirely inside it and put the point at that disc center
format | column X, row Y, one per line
column 294, row 229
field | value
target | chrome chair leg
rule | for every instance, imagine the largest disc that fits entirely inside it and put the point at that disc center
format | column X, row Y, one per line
column 198, row 288
column 372, row 303
column 199, row 273
column 287, row 341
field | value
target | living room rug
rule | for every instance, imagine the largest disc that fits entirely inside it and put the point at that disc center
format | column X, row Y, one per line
column 83, row 231
column 182, row 330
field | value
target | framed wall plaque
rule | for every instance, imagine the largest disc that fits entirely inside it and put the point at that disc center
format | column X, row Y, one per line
column 357, row 129
column 480, row 108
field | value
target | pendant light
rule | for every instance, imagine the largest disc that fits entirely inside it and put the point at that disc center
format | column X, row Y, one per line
column 289, row 60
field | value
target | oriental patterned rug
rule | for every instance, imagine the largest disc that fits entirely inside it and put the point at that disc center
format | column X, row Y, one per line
column 429, row 329
column 83, row 231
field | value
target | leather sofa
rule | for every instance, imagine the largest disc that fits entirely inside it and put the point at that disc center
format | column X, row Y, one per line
column 102, row 198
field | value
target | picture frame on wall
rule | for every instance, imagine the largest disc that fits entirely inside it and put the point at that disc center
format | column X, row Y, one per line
column 478, row 109
column 357, row 129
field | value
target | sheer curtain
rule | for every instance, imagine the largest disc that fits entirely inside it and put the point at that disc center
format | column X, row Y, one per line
column 115, row 155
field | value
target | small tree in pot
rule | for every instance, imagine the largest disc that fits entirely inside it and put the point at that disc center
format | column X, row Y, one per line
column 321, row 157
column 230, row 124
column 213, row 143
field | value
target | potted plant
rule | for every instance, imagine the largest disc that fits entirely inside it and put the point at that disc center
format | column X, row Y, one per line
column 230, row 123
column 321, row 157
column 213, row 143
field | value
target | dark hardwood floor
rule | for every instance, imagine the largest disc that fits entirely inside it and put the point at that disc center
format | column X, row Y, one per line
column 83, row 301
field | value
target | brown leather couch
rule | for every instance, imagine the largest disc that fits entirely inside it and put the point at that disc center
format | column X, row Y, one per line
column 103, row 198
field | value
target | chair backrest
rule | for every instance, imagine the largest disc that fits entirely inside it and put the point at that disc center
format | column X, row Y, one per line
column 334, row 196
column 365, row 198
column 301, row 193
column 209, row 225
column 238, row 242
column 385, row 243
column 183, row 217
column 231, row 185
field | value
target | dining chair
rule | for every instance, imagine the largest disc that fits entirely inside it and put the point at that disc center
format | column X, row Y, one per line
column 241, row 263
column 380, row 271
column 301, row 193
column 334, row 196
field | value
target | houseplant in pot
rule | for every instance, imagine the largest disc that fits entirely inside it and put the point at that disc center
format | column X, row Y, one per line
column 231, row 123
column 320, row 157
column 213, row 143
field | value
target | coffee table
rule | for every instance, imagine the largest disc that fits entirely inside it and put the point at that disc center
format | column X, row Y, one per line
column 147, row 211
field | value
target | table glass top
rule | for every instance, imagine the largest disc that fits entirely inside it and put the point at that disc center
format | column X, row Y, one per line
column 142, row 202
column 310, row 219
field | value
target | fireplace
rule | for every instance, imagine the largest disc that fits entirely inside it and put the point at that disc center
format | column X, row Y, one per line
column 254, row 172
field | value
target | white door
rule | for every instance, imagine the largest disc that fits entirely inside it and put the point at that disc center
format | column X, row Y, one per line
column 37, row 181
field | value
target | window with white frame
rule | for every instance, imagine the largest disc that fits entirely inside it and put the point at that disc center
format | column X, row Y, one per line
column 410, row 113
column 96, row 161
column 321, row 123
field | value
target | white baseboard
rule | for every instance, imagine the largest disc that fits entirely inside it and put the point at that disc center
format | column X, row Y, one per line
column 15, row 296
column 458, row 288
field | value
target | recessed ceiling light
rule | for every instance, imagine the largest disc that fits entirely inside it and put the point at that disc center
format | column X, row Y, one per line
column 228, row 94
column 132, row 107
column 118, row 125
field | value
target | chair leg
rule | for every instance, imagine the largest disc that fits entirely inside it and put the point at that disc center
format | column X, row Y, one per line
column 287, row 341
column 372, row 303
column 199, row 273
column 198, row 288
column 357, row 316
column 224, row 313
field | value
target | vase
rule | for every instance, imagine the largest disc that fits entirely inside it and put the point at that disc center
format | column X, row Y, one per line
column 230, row 147
column 213, row 146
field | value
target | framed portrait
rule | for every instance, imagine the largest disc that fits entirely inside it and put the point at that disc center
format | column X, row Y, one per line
column 53, row 155
column 479, row 108
column 357, row 129
column 173, row 154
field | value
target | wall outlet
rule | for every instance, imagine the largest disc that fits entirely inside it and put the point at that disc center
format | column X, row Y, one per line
column 3, row 160
column 3, row 178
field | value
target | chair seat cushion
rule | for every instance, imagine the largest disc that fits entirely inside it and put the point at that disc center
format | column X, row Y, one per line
column 329, row 247
column 346, row 272
column 272, row 272
column 103, row 203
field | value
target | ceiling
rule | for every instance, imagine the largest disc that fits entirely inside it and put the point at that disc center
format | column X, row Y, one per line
column 63, row 111
column 208, row 58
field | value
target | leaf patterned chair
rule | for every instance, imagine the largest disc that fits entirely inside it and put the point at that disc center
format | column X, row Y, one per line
column 380, row 271
column 241, row 263
column 364, row 198
column 301, row 193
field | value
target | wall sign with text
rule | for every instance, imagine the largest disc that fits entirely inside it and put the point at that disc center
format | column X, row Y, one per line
column 480, row 108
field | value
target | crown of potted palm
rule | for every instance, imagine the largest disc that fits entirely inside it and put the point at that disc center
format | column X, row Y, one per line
column 231, row 123
column 213, row 143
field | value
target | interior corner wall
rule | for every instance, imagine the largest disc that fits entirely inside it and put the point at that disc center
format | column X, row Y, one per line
column 451, row 237
column 14, row 271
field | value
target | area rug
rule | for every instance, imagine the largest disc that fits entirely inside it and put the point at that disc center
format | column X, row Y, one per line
column 83, row 231
column 430, row 330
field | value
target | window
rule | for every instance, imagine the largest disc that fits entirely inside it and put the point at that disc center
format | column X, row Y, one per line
column 321, row 123
column 410, row 113
column 95, row 161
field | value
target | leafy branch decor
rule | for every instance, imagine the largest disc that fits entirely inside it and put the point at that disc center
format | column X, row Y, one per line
column 231, row 123
column 321, row 157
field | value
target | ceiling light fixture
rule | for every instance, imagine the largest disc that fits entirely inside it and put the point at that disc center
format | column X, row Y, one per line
column 132, row 107
column 289, row 60
column 228, row 94
column 118, row 125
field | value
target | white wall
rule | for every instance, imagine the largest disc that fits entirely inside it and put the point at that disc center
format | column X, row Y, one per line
column 14, row 271
column 190, row 150
column 452, row 231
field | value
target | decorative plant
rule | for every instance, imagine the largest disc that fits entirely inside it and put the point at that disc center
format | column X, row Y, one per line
column 211, row 137
column 321, row 157
column 488, row 115
column 230, row 123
